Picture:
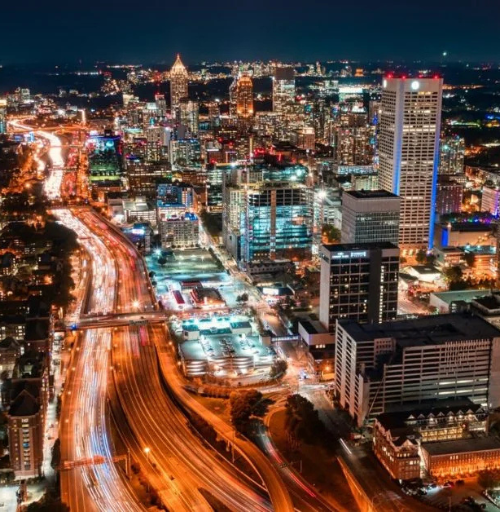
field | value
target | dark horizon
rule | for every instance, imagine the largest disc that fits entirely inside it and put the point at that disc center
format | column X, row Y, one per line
column 285, row 30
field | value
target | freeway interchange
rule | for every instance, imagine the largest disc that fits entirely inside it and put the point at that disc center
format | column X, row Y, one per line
column 178, row 463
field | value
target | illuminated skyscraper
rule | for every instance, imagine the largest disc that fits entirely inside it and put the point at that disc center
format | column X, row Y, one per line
column 178, row 83
column 283, row 88
column 3, row 115
column 451, row 156
column 189, row 115
column 410, row 121
column 244, row 97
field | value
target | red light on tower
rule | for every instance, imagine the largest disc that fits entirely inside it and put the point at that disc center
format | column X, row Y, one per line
column 390, row 75
column 436, row 77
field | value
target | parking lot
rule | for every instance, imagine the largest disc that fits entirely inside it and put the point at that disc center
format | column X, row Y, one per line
column 462, row 498
column 223, row 346
column 195, row 265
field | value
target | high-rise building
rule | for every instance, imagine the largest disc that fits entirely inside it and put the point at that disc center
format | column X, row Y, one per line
column 178, row 225
column 449, row 195
column 370, row 216
column 244, row 97
column 178, row 83
column 388, row 365
column 189, row 116
column 3, row 115
column 26, row 428
column 143, row 177
column 161, row 104
column 283, row 88
column 410, row 121
column 105, row 159
column 358, row 281
column 267, row 212
column 185, row 153
column 451, row 156
column 352, row 137
column 304, row 138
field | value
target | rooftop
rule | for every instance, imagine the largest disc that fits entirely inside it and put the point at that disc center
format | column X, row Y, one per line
column 429, row 330
column 402, row 418
column 477, row 444
column 465, row 295
column 371, row 194
column 359, row 247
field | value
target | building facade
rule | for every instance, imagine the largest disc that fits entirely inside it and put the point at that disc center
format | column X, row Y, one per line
column 410, row 122
column 267, row 213
column 358, row 281
column 244, row 97
column 370, row 216
column 178, row 84
column 395, row 363
column 283, row 88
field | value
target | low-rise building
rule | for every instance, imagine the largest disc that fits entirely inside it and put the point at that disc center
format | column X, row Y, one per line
column 461, row 457
column 406, row 440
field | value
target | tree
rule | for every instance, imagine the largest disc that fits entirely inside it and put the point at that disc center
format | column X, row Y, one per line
column 242, row 298
column 453, row 274
column 278, row 369
column 162, row 261
column 330, row 234
column 421, row 256
column 212, row 222
column 470, row 259
column 245, row 404
column 302, row 421
column 56, row 454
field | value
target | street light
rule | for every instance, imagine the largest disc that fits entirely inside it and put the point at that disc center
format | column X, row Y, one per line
column 146, row 451
column 136, row 304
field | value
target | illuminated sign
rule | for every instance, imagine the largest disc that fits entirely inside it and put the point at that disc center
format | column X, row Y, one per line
column 352, row 254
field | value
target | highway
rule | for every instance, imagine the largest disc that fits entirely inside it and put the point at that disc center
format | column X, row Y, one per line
column 84, row 433
column 180, row 462
column 52, row 186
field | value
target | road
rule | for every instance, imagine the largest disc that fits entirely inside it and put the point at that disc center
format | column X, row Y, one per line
column 180, row 462
column 83, row 431
column 52, row 186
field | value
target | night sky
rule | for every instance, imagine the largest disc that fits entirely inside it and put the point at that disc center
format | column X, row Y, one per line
column 152, row 31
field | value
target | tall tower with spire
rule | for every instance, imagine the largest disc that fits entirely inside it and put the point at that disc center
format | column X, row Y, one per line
column 178, row 83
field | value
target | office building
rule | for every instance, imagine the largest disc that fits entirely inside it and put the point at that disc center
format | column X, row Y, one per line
column 370, row 216
column 354, row 145
column 178, row 225
column 105, row 156
column 304, row 138
column 358, row 281
column 244, row 97
column 189, row 117
column 178, row 84
column 184, row 153
column 283, row 88
column 451, row 156
column 179, row 232
column 490, row 200
column 392, row 364
column 143, row 177
column 410, row 121
column 449, row 195
column 161, row 105
column 267, row 213
column 3, row 116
